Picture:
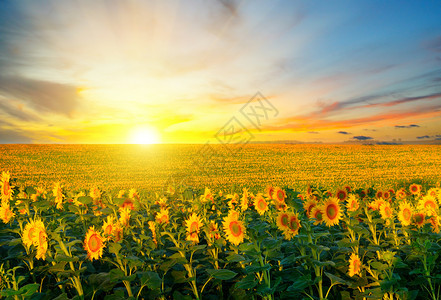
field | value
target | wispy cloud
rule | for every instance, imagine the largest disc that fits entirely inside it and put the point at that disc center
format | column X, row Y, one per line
column 42, row 95
column 407, row 126
column 362, row 137
column 344, row 132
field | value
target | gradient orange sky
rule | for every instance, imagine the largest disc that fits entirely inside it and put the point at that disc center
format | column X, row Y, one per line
column 178, row 71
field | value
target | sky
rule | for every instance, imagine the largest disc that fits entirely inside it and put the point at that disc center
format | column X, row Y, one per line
column 192, row 71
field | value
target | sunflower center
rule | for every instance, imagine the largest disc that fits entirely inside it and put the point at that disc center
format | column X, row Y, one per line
column 284, row 220
column 332, row 211
column 42, row 237
column 318, row 216
column 406, row 214
column 261, row 204
column 235, row 229
column 94, row 243
column 293, row 224
column 31, row 234
column 429, row 205
column 109, row 229
column 5, row 188
column 280, row 195
column 357, row 266
column 419, row 218
column 387, row 212
column 194, row 228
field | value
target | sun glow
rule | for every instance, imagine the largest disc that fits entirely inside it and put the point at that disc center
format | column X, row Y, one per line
column 144, row 135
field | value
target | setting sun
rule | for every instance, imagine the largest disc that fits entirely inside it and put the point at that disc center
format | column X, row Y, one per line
column 144, row 135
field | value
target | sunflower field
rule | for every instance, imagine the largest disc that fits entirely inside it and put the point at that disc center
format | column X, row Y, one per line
column 276, row 243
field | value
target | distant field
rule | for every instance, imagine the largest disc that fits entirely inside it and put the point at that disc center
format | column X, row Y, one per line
column 151, row 167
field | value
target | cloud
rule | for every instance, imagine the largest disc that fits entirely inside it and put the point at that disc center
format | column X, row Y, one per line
column 345, row 105
column 16, row 110
column 313, row 132
column 344, row 132
column 13, row 136
column 310, row 122
column 407, row 126
column 423, row 137
column 362, row 137
column 42, row 95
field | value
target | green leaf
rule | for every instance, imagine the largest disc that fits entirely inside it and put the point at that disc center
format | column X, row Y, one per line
column 25, row 291
column 336, row 279
column 151, row 279
column 116, row 275
column 300, row 284
column 62, row 257
column 114, row 248
column 379, row 266
column 248, row 282
column 235, row 257
column 292, row 259
column 222, row 274
column 85, row 200
column 101, row 281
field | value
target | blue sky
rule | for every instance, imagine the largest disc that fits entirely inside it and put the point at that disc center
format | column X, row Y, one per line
column 178, row 71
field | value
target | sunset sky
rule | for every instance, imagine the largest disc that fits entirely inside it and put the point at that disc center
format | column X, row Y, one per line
column 179, row 71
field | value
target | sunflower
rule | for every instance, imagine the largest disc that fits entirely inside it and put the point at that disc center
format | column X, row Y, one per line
column 121, row 194
column 428, row 204
column 415, row 188
column 124, row 216
column 162, row 217
column 352, row 203
column 234, row 229
column 207, row 195
column 6, row 214
column 435, row 222
column 282, row 220
column 117, row 232
column 341, row 194
column 308, row 205
column 41, row 237
column 419, row 219
column 354, row 265
column 386, row 211
column 213, row 230
column 109, row 227
column 293, row 226
column 269, row 191
column 95, row 193
column 94, row 244
column 433, row 192
column 386, row 195
column 133, row 194
column 331, row 211
column 40, row 194
column 244, row 200
column 379, row 194
column 6, row 188
column 234, row 200
column 405, row 214
column 317, row 215
column 29, row 235
column 363, row 194
column 279, row 195
column 400, row 194
column 260, row 204
column 348, row 188
column 152, row 227
column 193, row 225
column 58, row 194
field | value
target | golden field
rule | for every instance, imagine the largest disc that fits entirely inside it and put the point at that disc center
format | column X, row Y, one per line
column 151, row 167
